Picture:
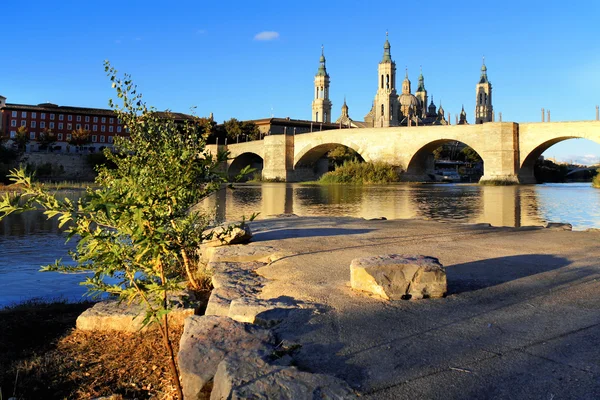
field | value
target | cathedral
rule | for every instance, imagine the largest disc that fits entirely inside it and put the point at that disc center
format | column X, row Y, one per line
column 393, row 109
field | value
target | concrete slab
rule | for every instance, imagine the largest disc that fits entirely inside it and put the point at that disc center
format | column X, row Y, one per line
column 517, row 318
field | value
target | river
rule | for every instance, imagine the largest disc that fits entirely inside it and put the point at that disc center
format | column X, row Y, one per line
column 28, row 241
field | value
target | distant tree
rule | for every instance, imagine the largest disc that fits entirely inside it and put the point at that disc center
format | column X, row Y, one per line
column 233, row 129
column 207, row 125
column 469, row 155
column 250, row 130
column 46, row 139
column 341, row 154
column 21, row 138
column 80, row 137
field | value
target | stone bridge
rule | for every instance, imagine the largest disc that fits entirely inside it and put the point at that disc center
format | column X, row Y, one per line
column 508, row 149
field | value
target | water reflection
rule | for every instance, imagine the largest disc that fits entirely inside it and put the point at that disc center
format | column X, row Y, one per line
column 514, row 206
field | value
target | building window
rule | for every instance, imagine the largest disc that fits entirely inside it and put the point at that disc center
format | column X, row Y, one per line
column 59, row 136
column 42, row 124
column 60, row 125
column 14, row 114
column 110, row 139
column 33, row 124
column 23, row 123
column 112, row 120
column 32, row 135
column 110, row 128
column 78, row 126
column 13, row 123
column 94, row 138
column 87, row 118
column 24, row 114
column 61, row 117
column 79, row 118
column 52, row 117
column 43, row 115
column 13, row 134
column 51, row 125
column 94, row 128
column 87, row 127
column 33, row 115
column 95, row 119
column 102, row 138
column 118, row 129
column 70, row 118
column 103, row 128
column 69, row 136
column 103, row 120
column 69, row 127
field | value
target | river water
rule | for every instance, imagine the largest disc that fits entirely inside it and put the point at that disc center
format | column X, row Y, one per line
column 28, row 241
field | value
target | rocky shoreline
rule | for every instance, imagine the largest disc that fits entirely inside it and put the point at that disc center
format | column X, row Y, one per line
column 283, row 305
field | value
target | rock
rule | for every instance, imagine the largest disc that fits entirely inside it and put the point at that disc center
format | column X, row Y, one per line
column 240, row 253
column 592, row 230
column 207, row 340
column 232, row 281
column 559, row 226
column 115, row 316
column 378, row 219
column 266, row 313
column 233, row 233
column 254, row 378
column 395, row 276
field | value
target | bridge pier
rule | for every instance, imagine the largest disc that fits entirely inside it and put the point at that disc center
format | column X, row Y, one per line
column 278, row 157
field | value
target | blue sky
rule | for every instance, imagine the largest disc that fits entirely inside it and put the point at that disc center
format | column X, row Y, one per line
column 207, row 54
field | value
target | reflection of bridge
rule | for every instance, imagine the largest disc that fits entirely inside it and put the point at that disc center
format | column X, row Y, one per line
column 508, row 149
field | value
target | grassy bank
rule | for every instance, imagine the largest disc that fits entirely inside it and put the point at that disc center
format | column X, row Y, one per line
column 44, row 357
column 498, row 182
column 596, row 180
column 362, row 173
column 66, row 185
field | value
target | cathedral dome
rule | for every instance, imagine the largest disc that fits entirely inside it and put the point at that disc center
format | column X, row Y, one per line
column 407, row 100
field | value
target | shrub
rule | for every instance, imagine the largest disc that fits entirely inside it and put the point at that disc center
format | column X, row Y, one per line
column 362, row 173
column 596, row 180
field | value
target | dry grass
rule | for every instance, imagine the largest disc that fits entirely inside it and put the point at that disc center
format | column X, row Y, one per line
column 49, row 359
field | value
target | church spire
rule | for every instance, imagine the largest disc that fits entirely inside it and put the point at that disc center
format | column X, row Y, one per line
column 322, row 70
column 484, row 78
column 387, row 56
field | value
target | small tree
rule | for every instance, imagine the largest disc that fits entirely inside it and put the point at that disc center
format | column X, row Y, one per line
column 21, row 138
column 233, row 128
column 139, row 226
column 80, row 137
column 47, row 139
column 250, row 130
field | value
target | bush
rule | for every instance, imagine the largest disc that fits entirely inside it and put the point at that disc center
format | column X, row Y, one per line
column 362, row 173
column 596, row 180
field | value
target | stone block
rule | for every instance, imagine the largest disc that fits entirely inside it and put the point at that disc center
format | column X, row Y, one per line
column 240, row 253
column 227, row 234
column 254, row 378
column 123, row 317
column 266, row 313
column 395, row 276
column 207, row 340
column 559, row 226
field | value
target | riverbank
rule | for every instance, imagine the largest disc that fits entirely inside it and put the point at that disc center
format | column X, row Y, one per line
column 44, row 357
column 520, row 320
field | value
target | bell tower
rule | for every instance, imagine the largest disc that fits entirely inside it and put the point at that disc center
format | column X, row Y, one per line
column 321, row 105
column 421, row 94
column 386, row 99
column 483, row 111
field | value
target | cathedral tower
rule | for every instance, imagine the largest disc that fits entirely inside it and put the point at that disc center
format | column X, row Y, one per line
column 483, row 111
column 321, row 105
column 421, row 94
column 386, row 99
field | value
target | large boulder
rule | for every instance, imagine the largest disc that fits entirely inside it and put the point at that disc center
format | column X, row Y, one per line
column 207, row 340
column 223, row 235
column 252, row 377
column 396, row 276
column 264, row 312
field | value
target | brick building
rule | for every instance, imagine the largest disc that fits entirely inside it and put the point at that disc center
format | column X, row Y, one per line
column 102, row 124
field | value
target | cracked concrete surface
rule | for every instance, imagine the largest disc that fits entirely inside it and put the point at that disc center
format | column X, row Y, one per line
column 521, row 319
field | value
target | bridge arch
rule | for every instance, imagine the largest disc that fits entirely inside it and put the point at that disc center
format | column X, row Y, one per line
column 526, row 170
column 245, row 159
column 421, row 163
column 313, row 152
